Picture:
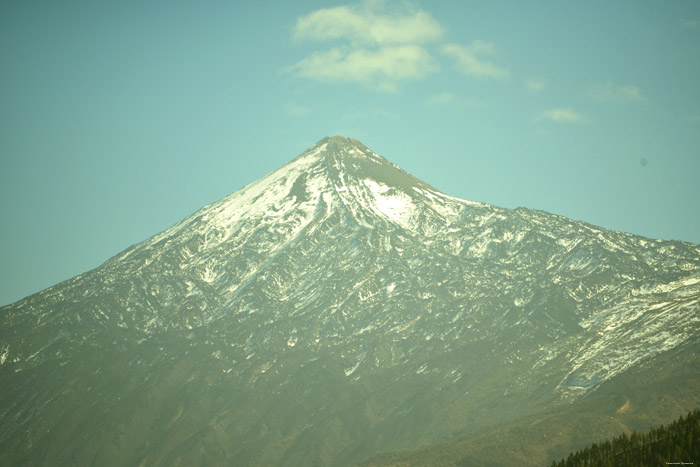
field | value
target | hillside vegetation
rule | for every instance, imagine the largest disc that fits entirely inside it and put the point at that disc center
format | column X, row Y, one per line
column 678, row 442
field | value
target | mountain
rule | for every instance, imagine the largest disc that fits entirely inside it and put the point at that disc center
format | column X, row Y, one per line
column 339, row 308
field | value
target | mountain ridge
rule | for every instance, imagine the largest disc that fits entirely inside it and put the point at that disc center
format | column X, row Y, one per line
column 336, row 308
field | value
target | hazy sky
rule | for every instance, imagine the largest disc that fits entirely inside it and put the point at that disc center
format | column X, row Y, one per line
column 118, row 119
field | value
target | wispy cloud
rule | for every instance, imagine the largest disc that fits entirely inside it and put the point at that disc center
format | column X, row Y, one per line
column 534, row 86
column 381, row 48
column 296, row 110
column 448, row 99
column 610, row 92
column 368, row 24
column 375, row 113
column 381, row 69
column 372, row 46
column 443, row 98
column 561, row 115
column 470, row 59
column 690, row 23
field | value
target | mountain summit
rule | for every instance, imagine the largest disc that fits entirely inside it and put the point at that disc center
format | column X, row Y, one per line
column 338, row 308
column 336, row 174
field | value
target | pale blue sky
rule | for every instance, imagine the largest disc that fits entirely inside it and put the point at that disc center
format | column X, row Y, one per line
column 118, row 119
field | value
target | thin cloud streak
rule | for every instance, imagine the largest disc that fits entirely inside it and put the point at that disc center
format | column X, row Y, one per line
column 296, row 110
column 443, row 98
column 381, row 69
column 535, row 86
column 610, row 92
column 565, row 115
column 470, row 62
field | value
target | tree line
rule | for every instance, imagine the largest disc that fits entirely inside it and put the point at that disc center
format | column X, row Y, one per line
column 675, row 444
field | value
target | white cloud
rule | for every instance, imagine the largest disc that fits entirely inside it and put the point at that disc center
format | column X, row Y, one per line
column 296, row 110
column 367, row 24
column 561, row 115
column 610, row 92
column 381, row 68
column 382, row 47
column 470, row 62
column 535, row 85
column 377, row 47
column 443, row 98
column 690, row 23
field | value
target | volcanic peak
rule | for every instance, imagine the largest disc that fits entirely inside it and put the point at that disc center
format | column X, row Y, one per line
column 336, row 176
column 349, row 161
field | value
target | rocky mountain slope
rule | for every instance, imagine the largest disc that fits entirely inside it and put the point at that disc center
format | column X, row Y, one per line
column 335, row 309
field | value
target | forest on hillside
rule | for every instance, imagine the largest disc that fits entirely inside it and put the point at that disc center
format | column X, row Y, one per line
column 675, row 444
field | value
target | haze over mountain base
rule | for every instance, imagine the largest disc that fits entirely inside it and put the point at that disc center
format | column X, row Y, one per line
column 340, row 308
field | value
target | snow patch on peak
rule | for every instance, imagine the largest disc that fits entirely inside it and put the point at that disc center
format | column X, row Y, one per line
column 459, row 200
column 286, row 198
column 391, row 203
column 376, row 187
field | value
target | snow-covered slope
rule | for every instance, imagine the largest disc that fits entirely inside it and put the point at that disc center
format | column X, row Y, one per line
column 336, row 307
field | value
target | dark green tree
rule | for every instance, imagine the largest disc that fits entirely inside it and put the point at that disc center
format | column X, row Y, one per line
column 677, row 442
